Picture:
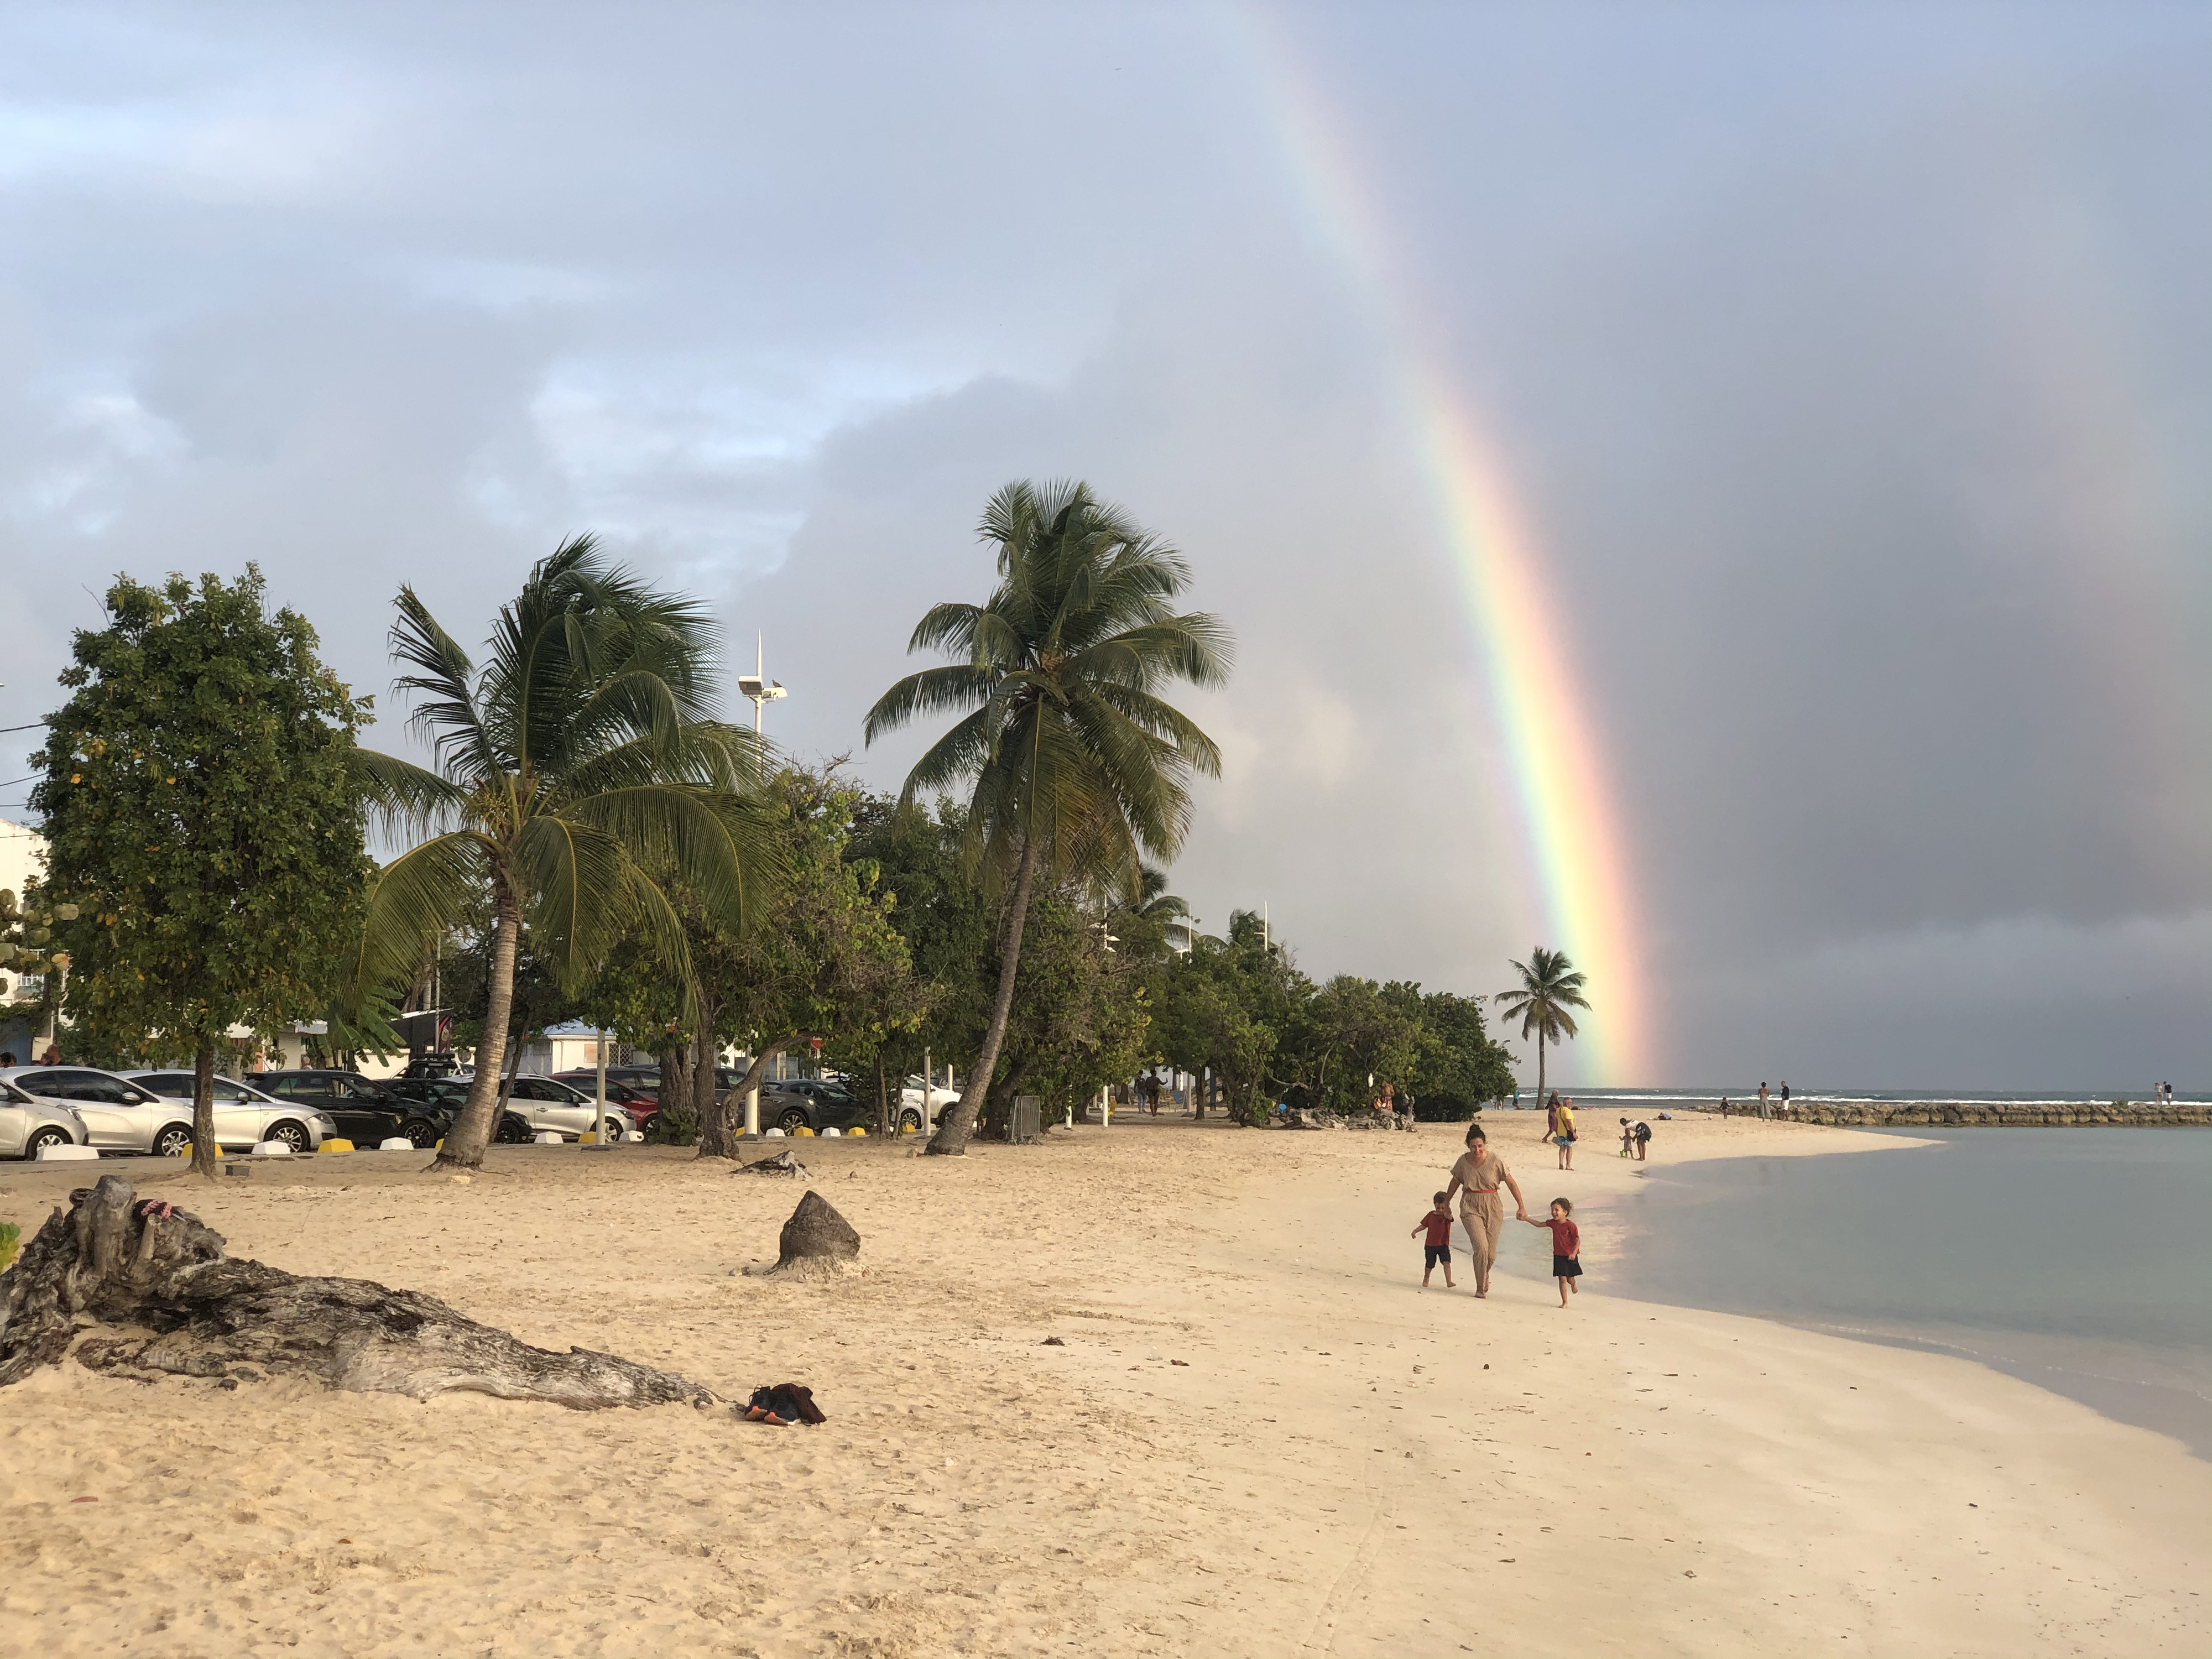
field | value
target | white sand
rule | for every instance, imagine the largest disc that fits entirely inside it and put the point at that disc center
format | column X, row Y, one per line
column 1333, row 1470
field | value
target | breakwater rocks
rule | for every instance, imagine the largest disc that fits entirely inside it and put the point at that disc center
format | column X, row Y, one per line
column 1986, row 1113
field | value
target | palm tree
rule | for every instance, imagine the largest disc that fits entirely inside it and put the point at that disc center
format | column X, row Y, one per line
column 1550, row 985
column 1078, row 764
column 1169, row 911
column 578, row 759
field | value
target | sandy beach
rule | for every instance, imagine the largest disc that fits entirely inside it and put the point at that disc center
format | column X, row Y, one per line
column 1257, row 1437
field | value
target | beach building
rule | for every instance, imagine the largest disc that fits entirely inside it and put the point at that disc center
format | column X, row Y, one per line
column 23, row 861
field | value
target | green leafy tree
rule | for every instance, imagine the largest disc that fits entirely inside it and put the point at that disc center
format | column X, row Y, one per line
column 578, row 760
column 1456, row 1067
column 822, row 962
column 1236, row 1007
column 1076, row 764
column 1550, row 986
column 199, row 809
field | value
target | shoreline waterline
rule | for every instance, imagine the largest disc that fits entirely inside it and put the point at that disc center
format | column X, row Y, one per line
column 2064, row 1261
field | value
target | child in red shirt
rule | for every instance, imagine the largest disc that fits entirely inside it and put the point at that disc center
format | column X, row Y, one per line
column 1438, row 1223
column 1567, row 1246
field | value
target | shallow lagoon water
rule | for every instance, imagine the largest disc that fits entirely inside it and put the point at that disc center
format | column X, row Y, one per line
column 2079, row 1259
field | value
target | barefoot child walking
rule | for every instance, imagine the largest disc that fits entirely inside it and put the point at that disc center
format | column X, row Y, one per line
column 1567, row 1246
column 1438, row 1223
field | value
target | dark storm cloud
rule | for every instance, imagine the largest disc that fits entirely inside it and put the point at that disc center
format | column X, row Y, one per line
column 1851, row 365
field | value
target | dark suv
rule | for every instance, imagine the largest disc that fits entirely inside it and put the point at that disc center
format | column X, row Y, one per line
column 449, row 1095
column 368, row 1112
column 813, row 1103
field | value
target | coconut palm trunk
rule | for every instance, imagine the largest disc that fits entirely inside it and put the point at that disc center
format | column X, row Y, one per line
column 954, row 1126
column 466, row 1140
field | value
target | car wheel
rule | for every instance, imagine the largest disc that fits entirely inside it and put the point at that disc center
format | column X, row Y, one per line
column 46, row 1137
column 294, row 1135
column 793, row 1121
column 513, row 1131
column 422, row 1132
column 910, row 1120
column 175, row 1140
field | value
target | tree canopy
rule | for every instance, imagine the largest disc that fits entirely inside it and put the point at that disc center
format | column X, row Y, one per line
column 200, row 812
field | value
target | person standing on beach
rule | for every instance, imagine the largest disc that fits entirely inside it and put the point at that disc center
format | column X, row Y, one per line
column 1565, row 1139
column 1762, row 1100
column 1785, row 1096
column 1552, row 1115
column 1479, row 1172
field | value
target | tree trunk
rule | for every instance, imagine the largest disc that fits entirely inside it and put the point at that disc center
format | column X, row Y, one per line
column 123, row 1262
column 466, row 1140
column 676, row 1094
column 204, row 1107
column 882, row 1096
column 719, row 1131
column 1540, row 1100
column 705, row 1053
column 954, row 1125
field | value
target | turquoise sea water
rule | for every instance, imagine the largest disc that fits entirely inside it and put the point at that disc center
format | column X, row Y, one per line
column 2080, row 1259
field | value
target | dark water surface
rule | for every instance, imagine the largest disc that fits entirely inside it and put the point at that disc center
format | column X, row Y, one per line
column 2079, row 1259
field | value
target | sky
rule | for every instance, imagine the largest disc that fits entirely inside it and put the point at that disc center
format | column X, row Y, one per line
column 1840, row 374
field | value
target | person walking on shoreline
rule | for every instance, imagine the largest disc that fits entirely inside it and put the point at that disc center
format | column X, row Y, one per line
column 1479, row 1172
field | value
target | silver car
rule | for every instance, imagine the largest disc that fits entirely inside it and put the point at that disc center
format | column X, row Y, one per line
column 546, row 1102
column 118, row 1116
column 243, row 1116
column 28, row 1123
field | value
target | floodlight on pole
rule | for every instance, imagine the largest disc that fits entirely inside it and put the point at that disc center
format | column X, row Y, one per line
column 757, row 686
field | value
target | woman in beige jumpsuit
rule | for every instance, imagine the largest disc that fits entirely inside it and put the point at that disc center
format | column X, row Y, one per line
column 1481, row 1171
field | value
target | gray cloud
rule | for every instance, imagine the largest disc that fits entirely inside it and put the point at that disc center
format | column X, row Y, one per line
column 1851, row 367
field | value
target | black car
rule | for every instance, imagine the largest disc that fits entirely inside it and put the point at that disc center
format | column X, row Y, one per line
column 813, row 1103
column 449, row 1095
column 368, row 1113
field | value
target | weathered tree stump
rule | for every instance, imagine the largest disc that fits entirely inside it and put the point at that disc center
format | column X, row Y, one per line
column 111, row 1260
column 816, row 1243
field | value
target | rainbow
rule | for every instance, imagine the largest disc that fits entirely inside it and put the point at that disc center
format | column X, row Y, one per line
column 1571, row 826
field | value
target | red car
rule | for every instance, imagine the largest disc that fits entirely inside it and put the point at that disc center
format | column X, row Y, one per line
column 642, row 1099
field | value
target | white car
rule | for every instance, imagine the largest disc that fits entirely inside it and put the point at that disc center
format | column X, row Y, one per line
column 546, row 1102
column 119, row 1117
column 243, row 1116
column 914, row 1115
column 28, row 1123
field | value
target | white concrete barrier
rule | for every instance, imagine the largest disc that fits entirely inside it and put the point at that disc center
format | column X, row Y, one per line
column 634, row 1138
column 547, row 1138
column 395, row 1144
column 772, row 1134
column 69, row 1154
column 839, row 1132
column 271, row 1149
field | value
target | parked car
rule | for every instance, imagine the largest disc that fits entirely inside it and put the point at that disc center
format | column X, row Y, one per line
column 450, row 1094
column 815, row 1103
column 243, row 1116
column 549, row 1103
column 118, row 1116
column 366, row 1112
column 640, row 1102
column 29, row 1121
column 913, row 1113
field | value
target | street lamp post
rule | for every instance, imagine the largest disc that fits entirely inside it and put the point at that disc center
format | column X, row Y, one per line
column 757, row 686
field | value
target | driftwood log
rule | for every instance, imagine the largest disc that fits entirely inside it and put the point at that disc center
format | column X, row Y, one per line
column 784, row 1164
column 816, row 1243
column 111, row 1259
